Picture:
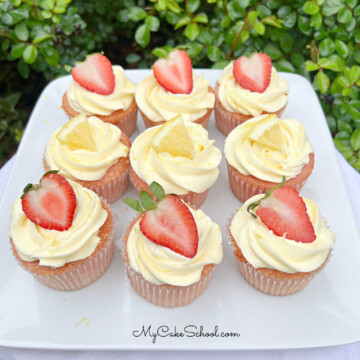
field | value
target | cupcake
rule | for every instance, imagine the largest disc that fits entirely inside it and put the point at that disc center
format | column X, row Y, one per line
column 179, row 156
column 102, row 90
column 93, row 153
column 173, row 90
column 248, row 87
column 262, row 150
column 62, row 233
column 280, row 241
column 170, row 250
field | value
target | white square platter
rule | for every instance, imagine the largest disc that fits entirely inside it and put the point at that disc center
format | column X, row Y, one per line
column 108, row 314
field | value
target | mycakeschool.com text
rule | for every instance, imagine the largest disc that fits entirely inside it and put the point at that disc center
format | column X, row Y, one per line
column 188, row 331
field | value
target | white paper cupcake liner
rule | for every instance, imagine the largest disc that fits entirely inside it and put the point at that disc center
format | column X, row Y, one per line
column 167, row 295
column 268, row 284
column 244, row 190
column 128, row 123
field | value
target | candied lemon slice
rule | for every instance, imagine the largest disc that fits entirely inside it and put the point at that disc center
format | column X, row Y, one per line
column 267, row 132
column 173, row 137
column 76, row 134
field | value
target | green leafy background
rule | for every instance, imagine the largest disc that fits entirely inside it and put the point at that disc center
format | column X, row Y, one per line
column 318, row 39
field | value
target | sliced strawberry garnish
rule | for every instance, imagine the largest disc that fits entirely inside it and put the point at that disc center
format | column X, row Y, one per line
column 51, row 204
column 284, row 212
column 172, row 225
column 175, row 72
column 95, row 74
column 253, row 73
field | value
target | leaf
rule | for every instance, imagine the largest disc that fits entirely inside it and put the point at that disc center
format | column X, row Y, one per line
column 343, row 81
column 49, row 4
column 331, row 7
column 136, row 14
column 146, row 200
column 316, row 20
column 259, row 28
column 244, row 36
column 193, row 5
column 46, row 14
column 343, row 126
column 355, row 140
column 284, row 65
column 326, row 63
column 161, row 52
column 311, row 8
column 17, row 50
column 326, row 47
column 192, row 31
column 193, row 48
column 42, row 37
column 290, row 20
column 214, row 53
column 225, row 21
column 220, row 64
column 351, row 3
column 52, row 57
column 235, row 10
column 201, row 18
column 30, row 54
column 273, row 51
column 21, row 31
column 323, row 81
column 344, row 15
column 173, row 6
column 341, row 48
column 252, row 16
column 157, row 190
column 342, row 135
column 133, row 204
column 23, row 69
column 355, row 73
column 184, row 20
column 142, row 35
column 152, row 23
column 132, row 58
column 122, row 16
column 311, row 66
column 272, row 21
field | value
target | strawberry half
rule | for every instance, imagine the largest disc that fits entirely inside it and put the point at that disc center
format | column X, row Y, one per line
column 172, row 225
column 284, row 212
column 95, row 74
column 175, row 72
column 51, row 204
column 253, row 73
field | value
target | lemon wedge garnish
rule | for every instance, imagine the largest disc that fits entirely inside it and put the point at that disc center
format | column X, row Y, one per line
column 76, row 134
column 267, row 132
column 173, row 137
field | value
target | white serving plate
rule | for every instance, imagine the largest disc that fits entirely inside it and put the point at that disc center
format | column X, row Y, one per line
column 106, row 314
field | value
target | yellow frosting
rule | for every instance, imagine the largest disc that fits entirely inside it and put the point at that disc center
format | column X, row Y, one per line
column 159, row 104
column 160, row 265
column 91, row 103
column 250, row 157
column 88, row 165
column 235, row 98
column 56, row 248
column 178, row 174
column 262, row 248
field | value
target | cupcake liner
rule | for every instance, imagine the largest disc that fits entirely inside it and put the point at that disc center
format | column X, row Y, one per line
column 203, row 120
column 84, row 275
column 246, row 186
column 78, row 274
column 226, row 121
column 124, row 119
column 286, row 284
column 167, row 295
column 193, row 199
column 164, row 295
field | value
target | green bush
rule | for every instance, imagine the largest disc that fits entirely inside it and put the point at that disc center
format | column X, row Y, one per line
column 318, row 39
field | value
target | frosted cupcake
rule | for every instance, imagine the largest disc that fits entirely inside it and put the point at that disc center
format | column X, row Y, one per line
column 173, row 90
column 93, row 153
column 62, row 233
column 279, row 253
column 179, row 156
column 248, row 87
column 102, row 90
column 262, row 150
column 170, row 250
